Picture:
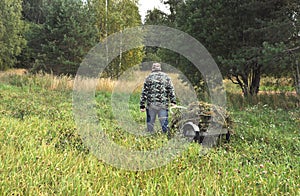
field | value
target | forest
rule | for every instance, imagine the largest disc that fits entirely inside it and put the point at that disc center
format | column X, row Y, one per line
column 248, row 40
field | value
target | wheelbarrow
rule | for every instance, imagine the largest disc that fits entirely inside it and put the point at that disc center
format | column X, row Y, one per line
column 196, row 132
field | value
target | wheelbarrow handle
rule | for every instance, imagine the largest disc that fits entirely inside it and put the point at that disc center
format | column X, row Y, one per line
column 177, row 106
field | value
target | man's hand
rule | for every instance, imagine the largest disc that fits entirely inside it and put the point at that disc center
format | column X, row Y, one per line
column 143, row 110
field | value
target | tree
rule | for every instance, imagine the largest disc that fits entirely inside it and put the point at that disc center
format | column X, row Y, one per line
column 11, row 28
column 127, row 16
column 114, row 16
column 268, row 24
column 33, row 15
column 154, row 17
column 238, row 33
column 67, row 34
column 33, row 11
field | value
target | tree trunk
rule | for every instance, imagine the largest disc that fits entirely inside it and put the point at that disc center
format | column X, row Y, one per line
column 251, row 80
column 255, row 79
column 297, row 78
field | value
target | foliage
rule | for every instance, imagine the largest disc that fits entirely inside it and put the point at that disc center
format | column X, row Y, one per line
column 33, row 11
column 156, row 17
column 247, row 39
column 112, row 18
column 67, row 35
column 62, row 32
column 11, row 32
column 247, row 28
column 33, row 15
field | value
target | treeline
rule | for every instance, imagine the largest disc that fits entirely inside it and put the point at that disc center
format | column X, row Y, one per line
column 248, row 39
column 55, row 35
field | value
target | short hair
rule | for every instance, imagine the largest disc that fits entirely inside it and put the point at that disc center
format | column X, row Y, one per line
column 156, row 67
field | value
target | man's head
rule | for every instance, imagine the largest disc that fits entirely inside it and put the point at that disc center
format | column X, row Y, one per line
column 156, row 67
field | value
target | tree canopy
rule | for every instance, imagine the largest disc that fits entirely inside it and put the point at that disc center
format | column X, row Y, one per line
column 248, row 39
column 11, row 32
column 61, row 32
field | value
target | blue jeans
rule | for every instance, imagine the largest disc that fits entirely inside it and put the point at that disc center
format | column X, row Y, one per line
column 162, row 116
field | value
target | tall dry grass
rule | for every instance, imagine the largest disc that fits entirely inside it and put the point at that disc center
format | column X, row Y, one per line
column 130, row 83
column 133, row 82
column 21, row 77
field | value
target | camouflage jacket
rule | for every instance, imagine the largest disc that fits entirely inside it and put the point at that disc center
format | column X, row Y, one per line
column 158, row 90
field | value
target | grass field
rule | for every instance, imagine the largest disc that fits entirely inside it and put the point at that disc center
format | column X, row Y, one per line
column 42, row 153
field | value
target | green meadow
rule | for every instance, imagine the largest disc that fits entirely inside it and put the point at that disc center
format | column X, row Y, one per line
column 42, row 152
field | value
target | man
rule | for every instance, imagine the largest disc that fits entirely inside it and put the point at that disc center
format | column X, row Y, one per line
column 157, row 92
